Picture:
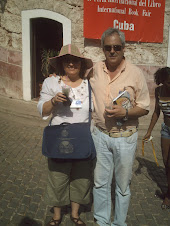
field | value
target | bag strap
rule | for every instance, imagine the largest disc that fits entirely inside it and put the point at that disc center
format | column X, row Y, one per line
column 153, row 149
column 90, row 99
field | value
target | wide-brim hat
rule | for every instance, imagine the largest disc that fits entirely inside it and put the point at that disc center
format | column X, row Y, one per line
column 69, row 50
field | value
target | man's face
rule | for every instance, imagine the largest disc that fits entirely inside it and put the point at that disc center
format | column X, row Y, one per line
column 113, row 51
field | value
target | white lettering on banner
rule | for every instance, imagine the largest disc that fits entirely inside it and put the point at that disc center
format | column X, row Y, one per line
column 146, row 13
column 99, row 0
column 123, row 25
column 134, row 13
column 128, row 2
column 113, row 1
column 152, row 3
column 142, row 3
column 110, row 10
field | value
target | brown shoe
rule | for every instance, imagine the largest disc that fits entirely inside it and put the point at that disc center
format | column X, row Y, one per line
column 77, row 221
column 53, row 222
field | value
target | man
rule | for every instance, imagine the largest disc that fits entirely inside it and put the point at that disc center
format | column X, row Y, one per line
column 115, row 129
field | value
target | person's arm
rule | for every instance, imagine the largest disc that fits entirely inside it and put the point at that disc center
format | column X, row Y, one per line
column 120, row 112
column 154, row 120
column 49, row 105
column 48, row 101
column 141, row 99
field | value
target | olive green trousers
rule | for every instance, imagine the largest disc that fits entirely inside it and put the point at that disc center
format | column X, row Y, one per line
column 69, row 181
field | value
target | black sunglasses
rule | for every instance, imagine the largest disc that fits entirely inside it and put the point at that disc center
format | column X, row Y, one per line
column 115, row 47
column 72, row 59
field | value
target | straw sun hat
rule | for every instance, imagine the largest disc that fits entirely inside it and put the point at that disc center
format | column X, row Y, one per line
column 69, row 50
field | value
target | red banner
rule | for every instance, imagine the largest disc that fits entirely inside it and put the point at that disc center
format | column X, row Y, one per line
column 140, row 20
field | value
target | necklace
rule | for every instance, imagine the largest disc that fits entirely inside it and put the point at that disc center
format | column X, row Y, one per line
column 79, row 92
column 76, row 92
column 67, row 80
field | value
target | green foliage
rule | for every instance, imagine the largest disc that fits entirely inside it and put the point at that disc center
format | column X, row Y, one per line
column 45, row 66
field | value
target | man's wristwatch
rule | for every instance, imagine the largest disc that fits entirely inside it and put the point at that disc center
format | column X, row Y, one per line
column 125, row 118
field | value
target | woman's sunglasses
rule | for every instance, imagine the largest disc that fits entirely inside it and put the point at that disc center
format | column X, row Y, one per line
column 71, row 59
column 115, row 47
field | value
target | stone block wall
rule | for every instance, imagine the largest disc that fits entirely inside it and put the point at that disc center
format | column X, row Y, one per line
column 148, row 56
column 149, row 75
column 11, row 73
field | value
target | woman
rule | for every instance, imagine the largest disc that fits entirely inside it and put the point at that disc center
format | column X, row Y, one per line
column 162, row 103
column 68, row 181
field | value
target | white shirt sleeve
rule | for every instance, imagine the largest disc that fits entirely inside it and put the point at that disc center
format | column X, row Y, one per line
column 49, row 89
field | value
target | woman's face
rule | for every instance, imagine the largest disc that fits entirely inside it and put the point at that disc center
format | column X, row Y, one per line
column 71, row 65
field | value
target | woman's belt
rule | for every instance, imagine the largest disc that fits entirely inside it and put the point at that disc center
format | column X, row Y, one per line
column 126, row 133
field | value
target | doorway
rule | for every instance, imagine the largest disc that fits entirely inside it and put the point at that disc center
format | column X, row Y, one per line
column 46, row 35
column 27, row 44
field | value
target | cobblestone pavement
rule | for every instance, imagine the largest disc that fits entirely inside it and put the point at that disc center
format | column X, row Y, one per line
column 23, row 173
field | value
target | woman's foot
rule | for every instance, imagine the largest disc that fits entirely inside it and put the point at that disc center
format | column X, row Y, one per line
column 77, row 221
column 54, row 222
column 57, row 218
column 166, row 203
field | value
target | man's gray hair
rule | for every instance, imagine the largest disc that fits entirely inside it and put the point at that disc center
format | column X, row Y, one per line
column 110, row 31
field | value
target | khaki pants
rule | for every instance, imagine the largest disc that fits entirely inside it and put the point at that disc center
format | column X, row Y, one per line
column 68, row 181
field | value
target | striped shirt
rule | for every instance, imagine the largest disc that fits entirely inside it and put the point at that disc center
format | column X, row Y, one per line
column 164, row 105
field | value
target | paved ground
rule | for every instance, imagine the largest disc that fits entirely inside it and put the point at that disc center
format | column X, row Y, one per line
column 23, row 173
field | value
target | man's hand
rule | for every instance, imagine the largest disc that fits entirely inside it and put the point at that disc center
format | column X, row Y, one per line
column 119, row 112
column 116, row 112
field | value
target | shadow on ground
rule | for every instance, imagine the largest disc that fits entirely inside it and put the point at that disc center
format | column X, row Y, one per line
column 154, row 173
column 26, row 221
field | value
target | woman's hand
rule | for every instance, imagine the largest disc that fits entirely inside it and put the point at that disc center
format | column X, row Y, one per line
column 48, row 106
column 147, row 136
column 59, row 98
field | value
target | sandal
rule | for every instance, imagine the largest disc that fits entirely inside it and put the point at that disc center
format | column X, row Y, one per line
column 166, row 203
column 54, row 222
column 76, row 220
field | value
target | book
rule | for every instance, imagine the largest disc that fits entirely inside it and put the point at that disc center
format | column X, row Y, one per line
column 123, row 99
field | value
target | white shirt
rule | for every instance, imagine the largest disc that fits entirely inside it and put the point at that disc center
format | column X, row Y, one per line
column 51, row 86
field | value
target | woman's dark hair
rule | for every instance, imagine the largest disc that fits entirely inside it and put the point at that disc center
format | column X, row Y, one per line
column 60, row 70
column 161, row 75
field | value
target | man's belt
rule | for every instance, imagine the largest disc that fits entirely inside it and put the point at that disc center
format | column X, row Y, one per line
column 126, row 133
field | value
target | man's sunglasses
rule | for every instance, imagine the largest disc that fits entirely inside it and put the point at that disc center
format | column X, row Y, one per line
column 115, row 47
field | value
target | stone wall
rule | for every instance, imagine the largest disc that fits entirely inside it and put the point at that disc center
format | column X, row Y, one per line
column 148, row 56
